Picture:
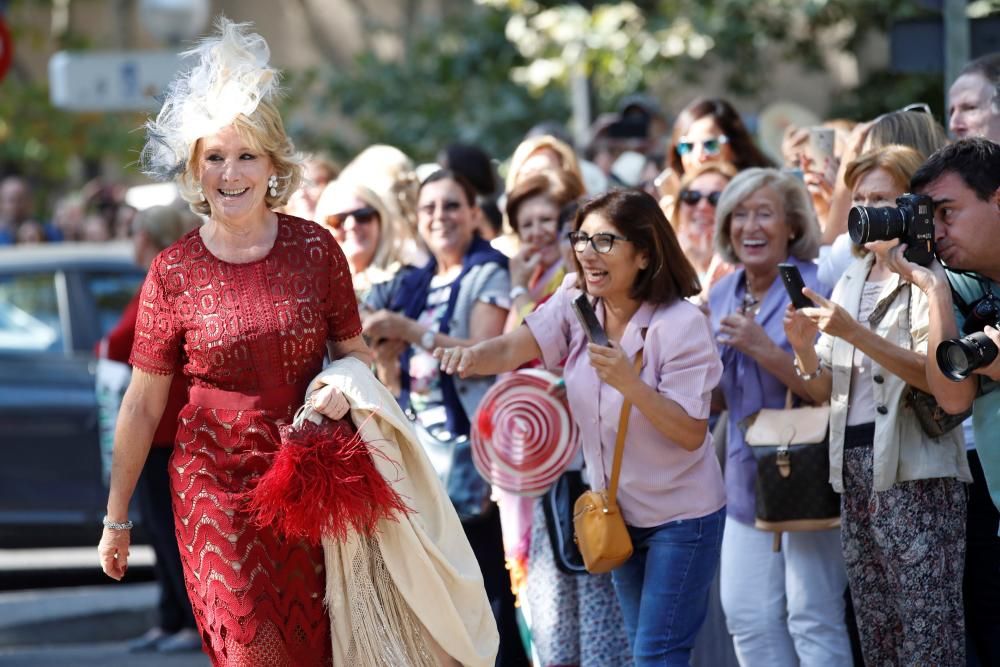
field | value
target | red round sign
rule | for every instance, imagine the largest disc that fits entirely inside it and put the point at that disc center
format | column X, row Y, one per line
column 6, row 48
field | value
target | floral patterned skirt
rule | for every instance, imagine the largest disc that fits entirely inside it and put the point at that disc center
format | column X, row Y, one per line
column 575, row 619
column 905, row 553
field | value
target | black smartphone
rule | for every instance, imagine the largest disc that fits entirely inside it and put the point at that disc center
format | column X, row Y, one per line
column 588, row 320
column 792, row 280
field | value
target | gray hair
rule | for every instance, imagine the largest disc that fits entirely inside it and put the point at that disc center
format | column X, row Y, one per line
column 797, row 207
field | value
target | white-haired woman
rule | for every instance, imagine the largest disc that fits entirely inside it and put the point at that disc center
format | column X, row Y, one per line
column 782, row 607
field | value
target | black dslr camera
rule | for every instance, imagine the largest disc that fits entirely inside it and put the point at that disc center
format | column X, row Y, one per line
column 959, row 357
column 912, row 222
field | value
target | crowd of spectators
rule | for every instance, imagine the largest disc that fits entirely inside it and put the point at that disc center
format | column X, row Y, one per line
column 496, row 233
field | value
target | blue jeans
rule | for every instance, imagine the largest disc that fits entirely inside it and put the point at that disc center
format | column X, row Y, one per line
column 663, row 588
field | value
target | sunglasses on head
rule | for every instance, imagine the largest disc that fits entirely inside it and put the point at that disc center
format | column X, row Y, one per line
column 711, row 146
column 692, row 197
column 362, row 216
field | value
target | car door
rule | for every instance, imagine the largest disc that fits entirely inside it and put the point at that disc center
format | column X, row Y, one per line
column 47, row 412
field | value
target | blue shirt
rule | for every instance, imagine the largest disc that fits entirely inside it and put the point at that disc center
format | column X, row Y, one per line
column 746, row 386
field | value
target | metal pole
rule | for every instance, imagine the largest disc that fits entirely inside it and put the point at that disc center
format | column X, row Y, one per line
column 956, row 40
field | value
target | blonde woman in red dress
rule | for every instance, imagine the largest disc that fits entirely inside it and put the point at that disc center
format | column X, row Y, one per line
column 248, row 304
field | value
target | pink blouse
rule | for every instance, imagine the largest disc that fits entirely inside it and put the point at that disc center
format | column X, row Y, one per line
column 660, row 480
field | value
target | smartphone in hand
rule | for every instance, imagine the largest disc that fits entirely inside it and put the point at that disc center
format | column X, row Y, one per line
column 588, row 320
column 792, row 280
column 820, row 146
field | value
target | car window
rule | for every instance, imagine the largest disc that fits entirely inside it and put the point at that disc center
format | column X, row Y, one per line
column 112, row 292
column 29, row 313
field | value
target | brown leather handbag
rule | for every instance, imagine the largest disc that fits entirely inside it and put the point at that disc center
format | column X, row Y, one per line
column 600, row 528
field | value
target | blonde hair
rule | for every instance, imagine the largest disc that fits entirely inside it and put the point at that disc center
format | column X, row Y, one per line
column 795, row 201
column 567, row 157
column 389, row 172
column 265, row 133
column 908, row 128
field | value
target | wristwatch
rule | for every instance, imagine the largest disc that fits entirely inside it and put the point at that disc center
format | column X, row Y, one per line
column 807, row 376
column 427, row 339
column 516, row 291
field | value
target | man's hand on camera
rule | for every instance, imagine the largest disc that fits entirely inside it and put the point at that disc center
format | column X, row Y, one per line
column 926, row 278
column 992, row 371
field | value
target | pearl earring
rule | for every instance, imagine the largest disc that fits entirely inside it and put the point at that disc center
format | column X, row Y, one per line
column 272, row 183
column 201, row 194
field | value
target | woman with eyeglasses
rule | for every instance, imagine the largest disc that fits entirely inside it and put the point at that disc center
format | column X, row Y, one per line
column 632, row 269
column 460, row 297
column 903, row 501
column 782, row 607
column 574, row 620
column 374, row 245
column 693, row 219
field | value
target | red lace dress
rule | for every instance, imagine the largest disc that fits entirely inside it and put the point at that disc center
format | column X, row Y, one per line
column 250, row 337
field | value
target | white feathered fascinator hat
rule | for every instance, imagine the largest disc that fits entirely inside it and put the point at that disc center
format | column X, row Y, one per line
column 231, row 76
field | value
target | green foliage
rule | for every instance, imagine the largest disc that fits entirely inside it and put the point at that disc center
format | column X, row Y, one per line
column 41, row 141
column 45, row 143
column 681, row 39
column 454, row 85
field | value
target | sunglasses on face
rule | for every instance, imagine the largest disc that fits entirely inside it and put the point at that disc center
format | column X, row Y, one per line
column 362, row 216
column 711, row 146
column 692, row 197
column 602, row 242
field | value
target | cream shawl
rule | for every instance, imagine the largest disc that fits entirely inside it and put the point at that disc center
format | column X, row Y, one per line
column 413, row 592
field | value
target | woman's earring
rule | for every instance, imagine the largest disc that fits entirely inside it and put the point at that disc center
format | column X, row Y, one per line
column 201, row 193
column 272, row 183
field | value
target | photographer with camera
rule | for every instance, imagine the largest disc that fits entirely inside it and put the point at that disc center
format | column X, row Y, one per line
column 963, row 181
column 902, row 492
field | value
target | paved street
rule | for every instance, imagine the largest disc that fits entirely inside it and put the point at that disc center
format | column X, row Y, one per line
column 79, row 625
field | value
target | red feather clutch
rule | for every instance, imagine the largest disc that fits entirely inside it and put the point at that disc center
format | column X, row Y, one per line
column 323, row 482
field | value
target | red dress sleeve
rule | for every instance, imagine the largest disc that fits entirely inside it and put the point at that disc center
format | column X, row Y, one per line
column 343, row 320
column 158, row 336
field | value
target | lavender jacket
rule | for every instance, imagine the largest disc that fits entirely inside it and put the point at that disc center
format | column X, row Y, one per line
column 746, row 386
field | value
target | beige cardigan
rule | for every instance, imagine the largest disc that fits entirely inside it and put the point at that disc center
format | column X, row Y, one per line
column 413, row 594
column 902, row 452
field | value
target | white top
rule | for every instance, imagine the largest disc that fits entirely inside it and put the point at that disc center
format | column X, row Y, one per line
column 861, row 406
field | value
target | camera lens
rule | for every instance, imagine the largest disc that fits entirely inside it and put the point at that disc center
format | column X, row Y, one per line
column 872, row 223
column 959, row 357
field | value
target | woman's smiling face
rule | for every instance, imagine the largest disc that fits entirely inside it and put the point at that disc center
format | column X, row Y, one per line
column 609, row 275
column 538, row 227
column 758, row 230
column 445, row 218
column 233, row 175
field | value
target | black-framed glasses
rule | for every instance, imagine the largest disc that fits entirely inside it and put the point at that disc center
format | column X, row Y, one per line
column 712, row 145
column 601, row 242
column 692, row 197
column 362, row 216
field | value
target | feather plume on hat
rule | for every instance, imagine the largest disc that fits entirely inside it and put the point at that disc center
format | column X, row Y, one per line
column 231, row 76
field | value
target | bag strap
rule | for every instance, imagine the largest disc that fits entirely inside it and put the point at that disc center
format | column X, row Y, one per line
column 620, row 442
